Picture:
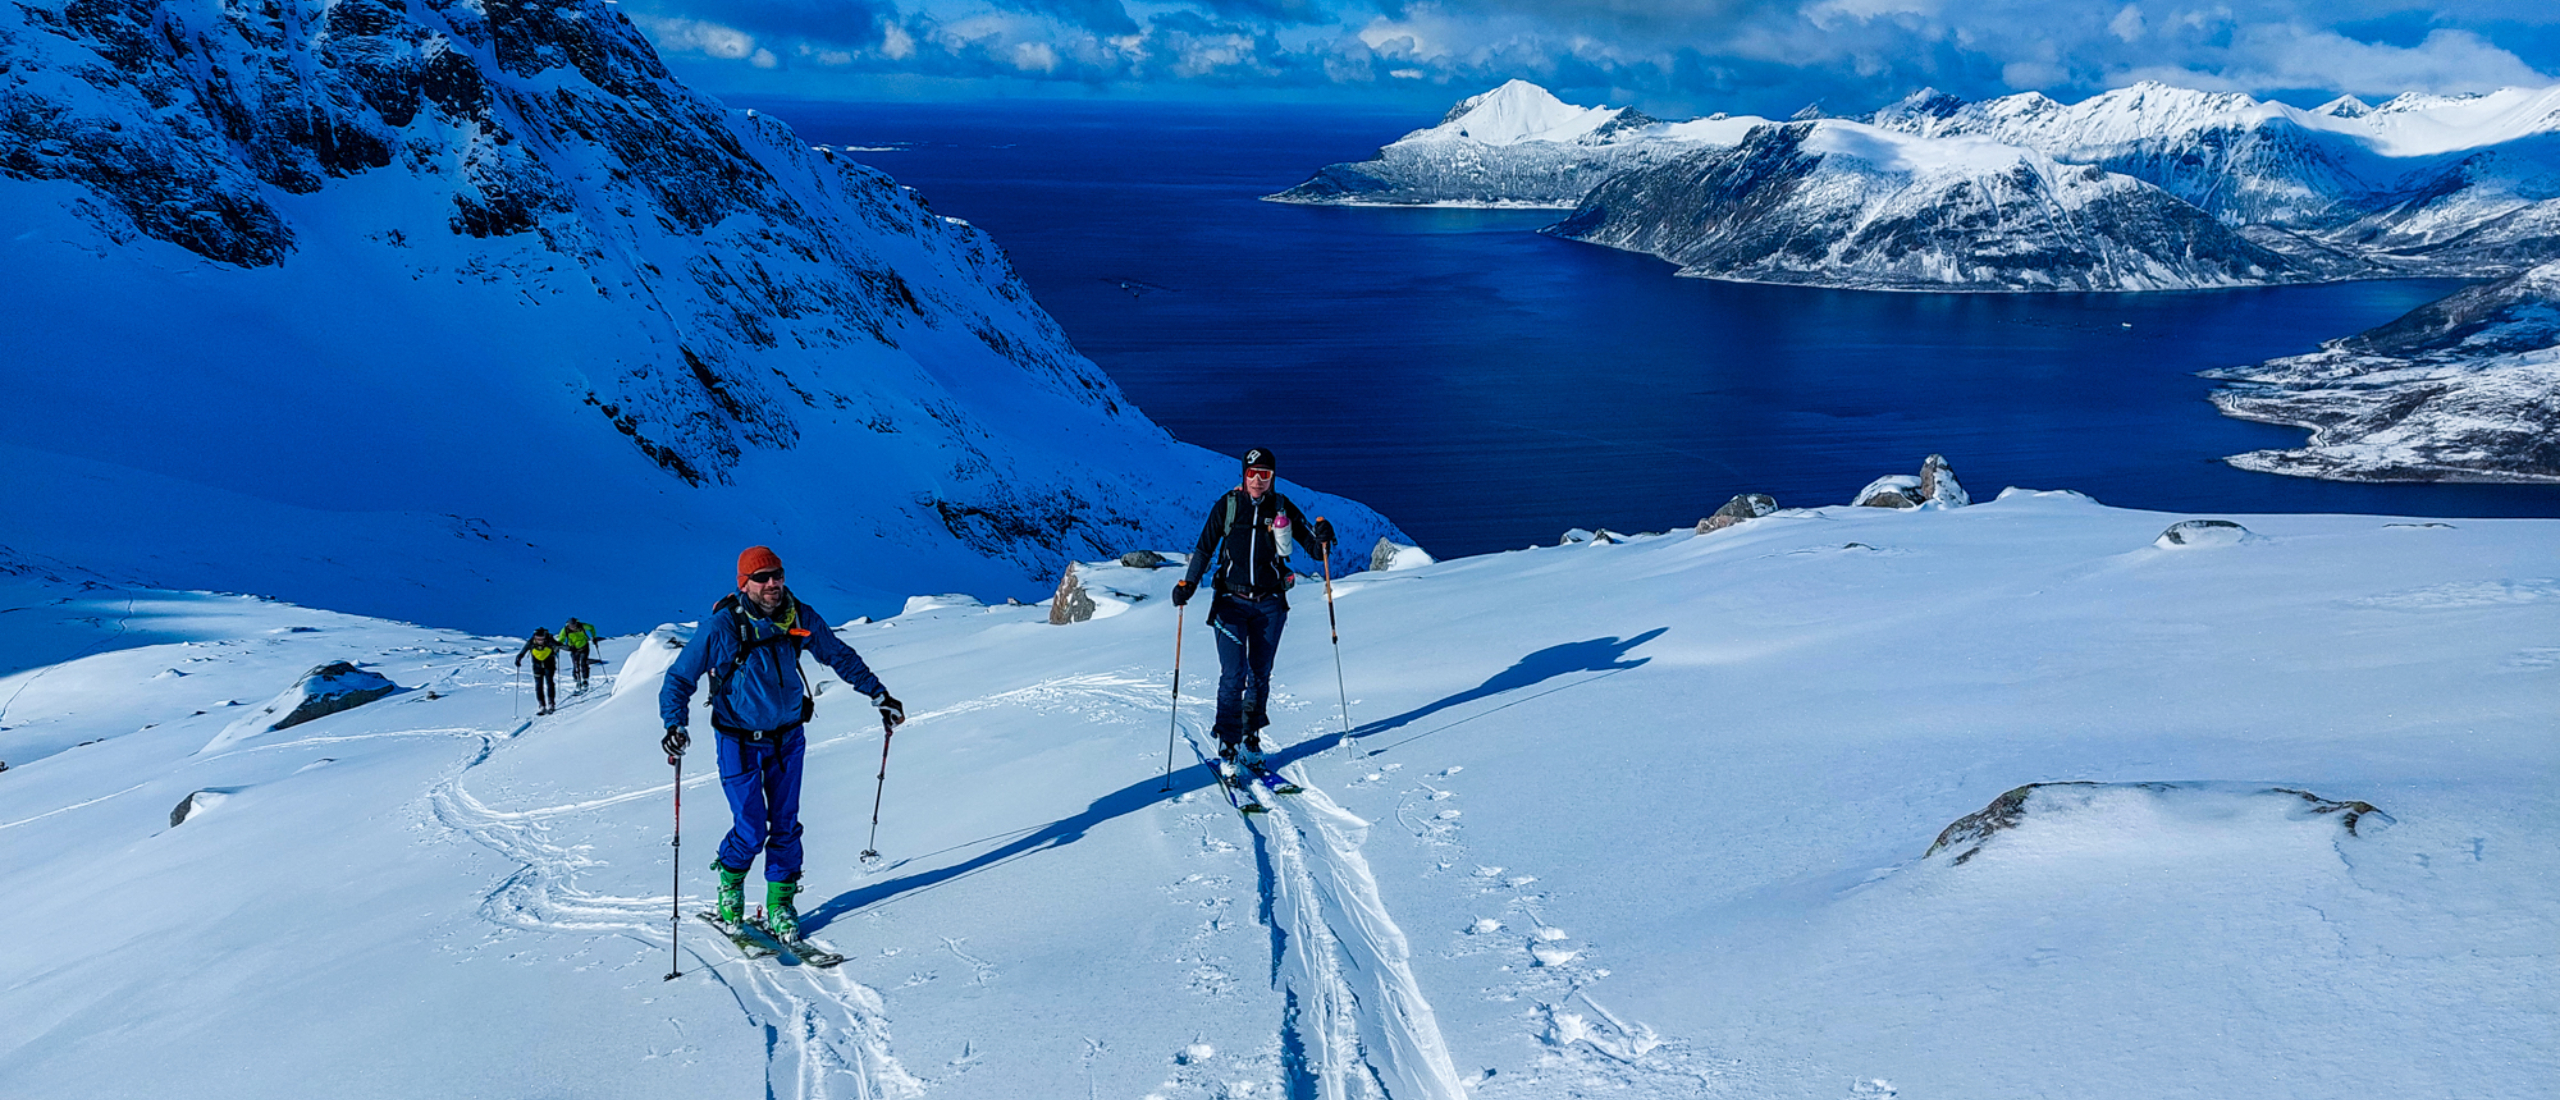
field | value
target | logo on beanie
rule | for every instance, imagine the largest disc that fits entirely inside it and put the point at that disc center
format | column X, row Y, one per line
column 1260, row 459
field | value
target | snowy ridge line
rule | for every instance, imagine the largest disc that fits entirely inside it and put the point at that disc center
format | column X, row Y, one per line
column 841, row 1027
column 1354, row 1006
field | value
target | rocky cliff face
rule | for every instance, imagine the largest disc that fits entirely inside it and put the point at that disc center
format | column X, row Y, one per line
column 423, row 231
column 2463, row 389
column 1835, row 203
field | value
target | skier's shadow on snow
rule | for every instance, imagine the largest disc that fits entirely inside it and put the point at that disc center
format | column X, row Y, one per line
column 1601, row 655
column 1606, row 656
column 1064, row 831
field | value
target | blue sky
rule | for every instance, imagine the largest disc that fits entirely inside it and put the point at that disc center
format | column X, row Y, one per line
column 1671, row 57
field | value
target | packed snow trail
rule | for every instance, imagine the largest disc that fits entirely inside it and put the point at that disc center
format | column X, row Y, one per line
column 817, row 1024
column 1358, row 1025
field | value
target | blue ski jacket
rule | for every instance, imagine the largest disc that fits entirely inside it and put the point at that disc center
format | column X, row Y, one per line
column 767, row 691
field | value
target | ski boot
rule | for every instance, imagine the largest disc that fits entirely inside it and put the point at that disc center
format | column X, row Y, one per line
column 781, row 917
column 733, row 895
column 1251, row 756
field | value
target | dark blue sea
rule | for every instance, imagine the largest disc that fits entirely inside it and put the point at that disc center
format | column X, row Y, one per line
column 1488, row 388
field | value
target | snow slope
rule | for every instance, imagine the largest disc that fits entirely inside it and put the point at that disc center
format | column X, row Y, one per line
column 472, row 314
column 1648, row 818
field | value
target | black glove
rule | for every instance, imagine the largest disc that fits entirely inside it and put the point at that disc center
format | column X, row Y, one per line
column 1182, row 592
column 675, row 742
column 1322, row 529
column 891, row 711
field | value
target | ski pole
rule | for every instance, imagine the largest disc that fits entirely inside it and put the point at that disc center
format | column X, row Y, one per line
column 1173, row 716
column 871, row 851
column 675, row 877
column 1324, row 554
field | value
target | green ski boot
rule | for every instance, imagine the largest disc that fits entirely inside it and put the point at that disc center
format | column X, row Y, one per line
column 781, row 917
column 733, row 895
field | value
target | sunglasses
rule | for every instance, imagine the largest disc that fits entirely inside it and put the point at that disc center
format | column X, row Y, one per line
column 767, row 576
column 1264, row 475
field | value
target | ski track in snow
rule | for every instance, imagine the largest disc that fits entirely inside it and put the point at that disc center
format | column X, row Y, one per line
column 820, row 1026
column 1357, row 1026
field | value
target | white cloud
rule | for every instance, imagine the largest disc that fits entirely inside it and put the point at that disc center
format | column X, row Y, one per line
column 1035, row 57
column 693, row 36
column 2446, row 61
column 896, row 44
column 2127, row 25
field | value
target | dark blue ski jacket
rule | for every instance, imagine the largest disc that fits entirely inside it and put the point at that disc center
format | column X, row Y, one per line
column 767, row 692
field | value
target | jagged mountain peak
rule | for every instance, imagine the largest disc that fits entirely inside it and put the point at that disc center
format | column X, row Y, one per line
column 2345, row 106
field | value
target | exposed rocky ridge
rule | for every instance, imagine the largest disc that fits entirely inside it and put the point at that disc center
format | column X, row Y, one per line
column 1830, row 204
column 2466, row 388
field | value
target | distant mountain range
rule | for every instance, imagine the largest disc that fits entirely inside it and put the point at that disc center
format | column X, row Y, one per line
column 447, row 311
column 2145, row 188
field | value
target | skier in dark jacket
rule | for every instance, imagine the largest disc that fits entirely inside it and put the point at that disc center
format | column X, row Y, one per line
column 546, row 668
column 1248, row 537
column 580, row 640
column 760, row 704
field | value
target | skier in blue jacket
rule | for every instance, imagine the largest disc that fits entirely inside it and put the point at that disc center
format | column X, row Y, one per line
column 760, row 704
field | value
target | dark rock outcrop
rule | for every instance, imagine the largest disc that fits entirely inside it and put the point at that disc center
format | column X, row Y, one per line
column 331, row 688
column 1745, row 506
column 1071, row 603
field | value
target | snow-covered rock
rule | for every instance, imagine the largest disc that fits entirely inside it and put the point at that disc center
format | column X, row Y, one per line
column 323, row 691
column 625, row 330
column 2130, row 809
column 2189, row 534
column 1934, row 487
column 2466, row 388
column 1515, row 146
column 1838, row 203
column 1389, row 555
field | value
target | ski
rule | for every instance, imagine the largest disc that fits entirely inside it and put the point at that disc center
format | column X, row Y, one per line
column 800, row 950
column 1239, row 788
column 747, row 945
column 1262, row 772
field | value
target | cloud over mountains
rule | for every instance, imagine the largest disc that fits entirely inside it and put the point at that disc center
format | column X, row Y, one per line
column 1757, row 55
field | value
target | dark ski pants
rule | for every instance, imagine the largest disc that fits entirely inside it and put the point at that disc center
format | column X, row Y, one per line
column 546, row 684
column 762, row 780
column 578, row 663
column 1248, row 637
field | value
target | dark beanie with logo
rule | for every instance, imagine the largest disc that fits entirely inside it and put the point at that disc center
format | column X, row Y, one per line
column 1260, row 458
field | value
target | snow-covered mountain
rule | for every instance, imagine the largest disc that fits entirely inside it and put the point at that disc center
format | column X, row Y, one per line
column 2454, row 185
column 2462, row 389
column 1515, row 146
column 1838, row 203
column 2000, row 802
column 470, row 313
column 2422, row 185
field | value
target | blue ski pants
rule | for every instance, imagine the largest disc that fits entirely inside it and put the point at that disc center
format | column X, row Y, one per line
column 1248, row 638
column 762, row 780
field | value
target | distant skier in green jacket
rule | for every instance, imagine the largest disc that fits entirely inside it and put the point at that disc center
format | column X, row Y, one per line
column 584, row 648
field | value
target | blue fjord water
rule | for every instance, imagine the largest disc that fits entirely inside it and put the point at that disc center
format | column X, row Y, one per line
column 1487, row 387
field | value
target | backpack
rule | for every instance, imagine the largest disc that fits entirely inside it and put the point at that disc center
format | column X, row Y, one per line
column 748, row 644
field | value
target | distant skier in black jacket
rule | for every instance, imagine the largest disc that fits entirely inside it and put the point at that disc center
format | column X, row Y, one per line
column 545, row 652
column 1249, row 535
